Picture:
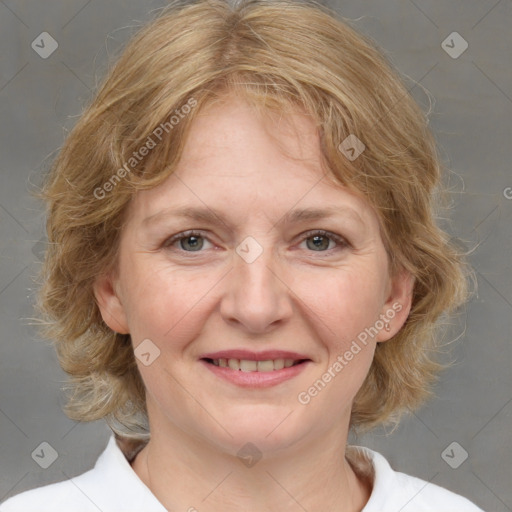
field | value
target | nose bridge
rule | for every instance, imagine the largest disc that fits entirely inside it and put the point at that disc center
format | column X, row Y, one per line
column 254, row 266
column 256, row 296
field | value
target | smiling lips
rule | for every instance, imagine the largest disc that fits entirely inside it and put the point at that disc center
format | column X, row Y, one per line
column 250, row 369
column 247, row 365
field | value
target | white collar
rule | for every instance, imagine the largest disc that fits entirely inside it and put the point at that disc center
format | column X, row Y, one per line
column 391, row 490
column 363, row 459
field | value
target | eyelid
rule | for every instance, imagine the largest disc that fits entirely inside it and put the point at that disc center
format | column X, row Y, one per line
column 342, row 242
column 168, row 242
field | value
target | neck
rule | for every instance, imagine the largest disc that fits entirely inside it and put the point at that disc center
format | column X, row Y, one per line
column 190, row 474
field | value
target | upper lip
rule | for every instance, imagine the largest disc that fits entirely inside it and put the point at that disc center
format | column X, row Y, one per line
column 265, row 355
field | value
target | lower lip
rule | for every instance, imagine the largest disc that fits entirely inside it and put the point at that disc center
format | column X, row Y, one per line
column 256, row 379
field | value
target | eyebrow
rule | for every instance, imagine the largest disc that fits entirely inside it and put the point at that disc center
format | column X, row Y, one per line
column 215, row 217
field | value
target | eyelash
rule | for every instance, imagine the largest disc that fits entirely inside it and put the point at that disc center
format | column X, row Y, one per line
column 342, row 243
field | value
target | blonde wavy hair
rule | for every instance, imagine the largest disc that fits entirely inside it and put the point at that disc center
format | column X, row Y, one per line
column 280, row 55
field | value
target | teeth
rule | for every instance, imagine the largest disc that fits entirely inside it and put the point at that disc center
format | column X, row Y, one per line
column 248, row 366
column 278, row 364
column 266, row 366
column 245, row 365
column 234, row 364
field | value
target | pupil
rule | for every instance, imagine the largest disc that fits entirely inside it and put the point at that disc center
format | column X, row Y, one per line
column 194, row 244
column 319, row 242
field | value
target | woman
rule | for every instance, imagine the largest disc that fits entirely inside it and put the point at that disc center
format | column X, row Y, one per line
column 244, row 265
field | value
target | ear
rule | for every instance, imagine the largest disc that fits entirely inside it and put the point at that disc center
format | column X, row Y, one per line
column 109, row 303
column 397, row 307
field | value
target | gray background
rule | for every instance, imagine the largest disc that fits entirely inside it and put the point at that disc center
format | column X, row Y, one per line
column 471, row 116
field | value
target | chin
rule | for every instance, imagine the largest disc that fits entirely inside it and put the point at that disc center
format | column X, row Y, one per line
column 267, row 428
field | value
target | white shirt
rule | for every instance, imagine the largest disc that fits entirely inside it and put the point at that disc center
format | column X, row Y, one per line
column 113, row 486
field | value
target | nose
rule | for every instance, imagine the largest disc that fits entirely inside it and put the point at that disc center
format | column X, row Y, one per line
column 256, row 296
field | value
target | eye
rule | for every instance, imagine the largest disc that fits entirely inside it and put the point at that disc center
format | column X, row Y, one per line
column 321, row 240
column 316, row 241
column 189, row 241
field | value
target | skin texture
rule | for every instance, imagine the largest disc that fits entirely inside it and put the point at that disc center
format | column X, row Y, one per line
column 293, row 296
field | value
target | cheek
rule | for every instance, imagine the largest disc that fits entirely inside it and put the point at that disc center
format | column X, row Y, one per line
column 342, row 313
column 342, row 303
column 163, row 304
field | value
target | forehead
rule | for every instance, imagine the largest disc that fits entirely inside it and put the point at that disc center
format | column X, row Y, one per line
column 233, row 122
column 234, row 157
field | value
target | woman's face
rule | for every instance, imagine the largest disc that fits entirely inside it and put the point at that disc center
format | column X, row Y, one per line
column 256, row 281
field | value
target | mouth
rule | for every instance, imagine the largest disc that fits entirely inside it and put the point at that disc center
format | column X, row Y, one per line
column 250, row 365
column 255, row 370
